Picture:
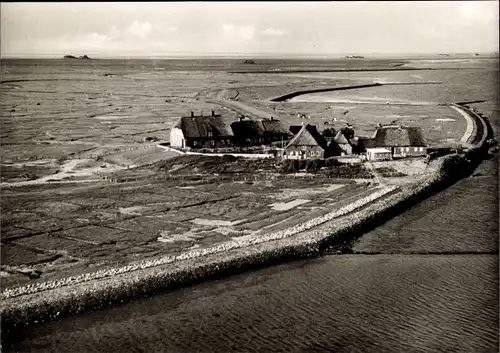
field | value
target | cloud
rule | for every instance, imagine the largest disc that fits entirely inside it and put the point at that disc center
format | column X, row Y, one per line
column 273, row 32
column 71, row 44
column 161, row 28
column 139, row 29
column 477, row 12
column 114, row 32
column 94, row 40
column 245, row 32
column 260, row 27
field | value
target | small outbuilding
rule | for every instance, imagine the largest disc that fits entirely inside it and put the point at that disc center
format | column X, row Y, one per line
column 378, row 154
column 344, row 143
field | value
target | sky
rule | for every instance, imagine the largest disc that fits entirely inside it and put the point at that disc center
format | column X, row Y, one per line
column 232, row 28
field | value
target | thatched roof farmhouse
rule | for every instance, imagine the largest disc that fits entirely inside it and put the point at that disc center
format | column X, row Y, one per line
column 401, row 141
column 306, row 144
column 248, row 132
column 201, row 131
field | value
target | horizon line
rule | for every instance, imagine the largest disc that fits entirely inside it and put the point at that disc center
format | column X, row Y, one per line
column 232, row 55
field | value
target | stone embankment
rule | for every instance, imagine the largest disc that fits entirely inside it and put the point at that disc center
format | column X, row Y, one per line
column 50, row 300
column 471, row 127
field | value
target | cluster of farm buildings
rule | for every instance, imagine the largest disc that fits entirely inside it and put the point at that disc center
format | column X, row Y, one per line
column 297, row 141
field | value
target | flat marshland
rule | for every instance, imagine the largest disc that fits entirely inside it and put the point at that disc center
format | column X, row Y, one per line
column 71, row 129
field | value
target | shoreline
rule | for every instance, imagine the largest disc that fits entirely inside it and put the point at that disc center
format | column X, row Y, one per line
column 349, row 70
column 50, row 304
column 287, row 96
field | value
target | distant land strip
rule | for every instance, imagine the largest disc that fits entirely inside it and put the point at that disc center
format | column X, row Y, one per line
column 349, row 70
column 43, row 80
column 411, row 83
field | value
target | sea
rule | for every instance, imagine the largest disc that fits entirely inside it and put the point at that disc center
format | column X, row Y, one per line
column 425, row 281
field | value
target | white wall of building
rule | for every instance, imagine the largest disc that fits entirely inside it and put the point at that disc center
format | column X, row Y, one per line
column 374, row 154
column 177, row 138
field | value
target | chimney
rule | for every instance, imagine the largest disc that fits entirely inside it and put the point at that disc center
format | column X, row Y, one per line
column 201, row 113
column 272, row 118
column 213, row 113
column 192, row 114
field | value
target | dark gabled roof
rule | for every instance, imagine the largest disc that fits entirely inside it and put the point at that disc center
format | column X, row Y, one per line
column 366, row 142
column 274, row 127
column 334, row 149
column 247, row 129
column 308, row 136
column 395, row 136
column 294, row 129
column 340, row 138
column 199, row 126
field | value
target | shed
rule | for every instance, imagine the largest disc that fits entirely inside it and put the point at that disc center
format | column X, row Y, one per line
column 343, row 142
column 378, row 154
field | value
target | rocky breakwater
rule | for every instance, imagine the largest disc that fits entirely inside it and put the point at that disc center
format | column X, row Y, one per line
column 72, row 295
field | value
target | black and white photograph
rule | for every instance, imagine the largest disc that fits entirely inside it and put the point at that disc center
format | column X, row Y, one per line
column 249, row 176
